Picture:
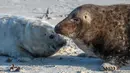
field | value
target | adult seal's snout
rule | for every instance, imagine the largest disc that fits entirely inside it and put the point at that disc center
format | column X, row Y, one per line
column 57, row 29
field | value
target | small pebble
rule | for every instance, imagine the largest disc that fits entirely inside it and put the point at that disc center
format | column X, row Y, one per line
column 14, row 68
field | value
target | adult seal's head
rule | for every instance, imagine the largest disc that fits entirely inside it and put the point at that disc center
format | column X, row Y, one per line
column 73, row 25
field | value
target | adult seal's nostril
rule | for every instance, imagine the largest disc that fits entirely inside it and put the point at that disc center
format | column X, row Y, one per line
column 57, row 29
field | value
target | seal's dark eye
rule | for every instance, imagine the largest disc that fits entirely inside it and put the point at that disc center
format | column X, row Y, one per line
column 76, row 20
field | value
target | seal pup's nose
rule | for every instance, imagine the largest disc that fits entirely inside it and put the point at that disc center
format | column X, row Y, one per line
column 63, row 43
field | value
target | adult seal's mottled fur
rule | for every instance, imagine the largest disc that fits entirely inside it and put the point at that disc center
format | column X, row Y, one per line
column 24, row 37
column 106, row 29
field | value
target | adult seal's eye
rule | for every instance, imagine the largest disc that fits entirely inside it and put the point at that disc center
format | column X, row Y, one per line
column 76, row 20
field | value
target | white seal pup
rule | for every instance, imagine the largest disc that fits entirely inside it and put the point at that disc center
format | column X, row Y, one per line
column 27, row 37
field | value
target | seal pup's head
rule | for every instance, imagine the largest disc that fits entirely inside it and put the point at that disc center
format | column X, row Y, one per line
column 41, row 40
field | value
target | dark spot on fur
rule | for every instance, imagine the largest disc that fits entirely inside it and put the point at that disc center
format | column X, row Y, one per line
column 103, row 11
column 110, row 30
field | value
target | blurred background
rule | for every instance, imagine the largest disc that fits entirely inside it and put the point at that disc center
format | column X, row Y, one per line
column 57, row 9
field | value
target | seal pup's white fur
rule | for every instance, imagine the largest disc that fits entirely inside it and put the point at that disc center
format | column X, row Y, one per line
column 27, row 37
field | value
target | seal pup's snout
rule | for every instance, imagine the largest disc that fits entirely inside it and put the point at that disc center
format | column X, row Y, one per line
column 63, row 43
column 60, row 41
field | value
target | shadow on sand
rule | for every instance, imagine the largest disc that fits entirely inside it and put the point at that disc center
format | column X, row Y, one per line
column 88, row 63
